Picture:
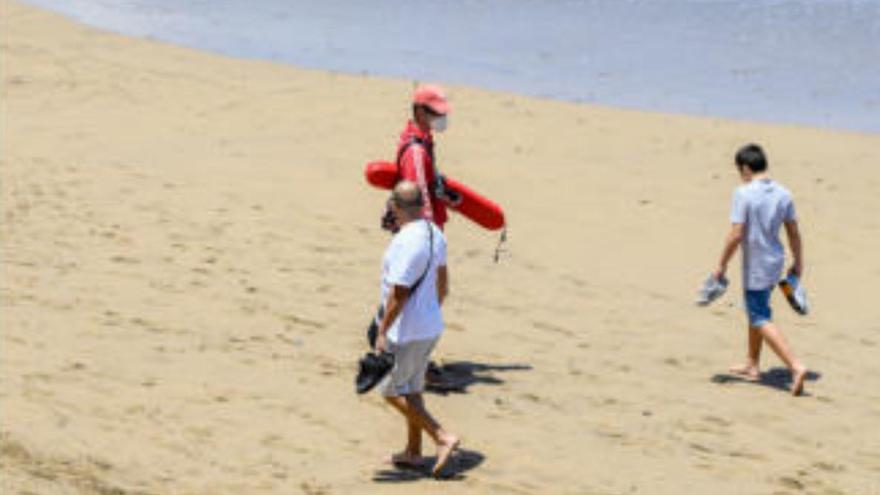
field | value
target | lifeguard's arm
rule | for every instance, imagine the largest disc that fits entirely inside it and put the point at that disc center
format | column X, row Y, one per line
column 415, row 171
column 442, row 284
column 731, row 242
column 794, row 241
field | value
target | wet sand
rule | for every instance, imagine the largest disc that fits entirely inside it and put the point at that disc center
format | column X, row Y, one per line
column 190, row 254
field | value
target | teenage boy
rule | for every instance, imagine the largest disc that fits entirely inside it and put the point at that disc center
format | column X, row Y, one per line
column 760, row 207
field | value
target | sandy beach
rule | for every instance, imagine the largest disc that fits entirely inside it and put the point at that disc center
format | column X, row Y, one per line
column 190, row 255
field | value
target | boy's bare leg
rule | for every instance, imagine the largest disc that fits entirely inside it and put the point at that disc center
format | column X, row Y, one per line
column 780, row 346
column 446, row 442
column 412, row 454
column 751, row 369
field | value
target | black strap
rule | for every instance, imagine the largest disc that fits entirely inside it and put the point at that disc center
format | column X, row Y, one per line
column 415, row 286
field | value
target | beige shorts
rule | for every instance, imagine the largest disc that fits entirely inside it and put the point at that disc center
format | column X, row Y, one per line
column 410, row 364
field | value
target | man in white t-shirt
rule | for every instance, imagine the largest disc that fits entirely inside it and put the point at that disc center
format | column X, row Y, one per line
column 414, row 284
column 760, row 208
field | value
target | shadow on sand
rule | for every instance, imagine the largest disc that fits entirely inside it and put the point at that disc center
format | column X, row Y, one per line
column 451, row 377
column 458, row 376
column 778, row 378
column 462, row 461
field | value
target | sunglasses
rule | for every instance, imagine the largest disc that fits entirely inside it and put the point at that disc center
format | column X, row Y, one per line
column 431, row 112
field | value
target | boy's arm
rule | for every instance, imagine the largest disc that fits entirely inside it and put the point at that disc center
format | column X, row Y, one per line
column 794, row 241
column 734, row 237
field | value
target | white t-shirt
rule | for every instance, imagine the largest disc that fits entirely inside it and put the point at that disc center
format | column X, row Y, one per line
column 405, row 260
column 762, row 205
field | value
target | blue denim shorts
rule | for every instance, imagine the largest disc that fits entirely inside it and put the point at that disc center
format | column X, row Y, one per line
column 758, row 307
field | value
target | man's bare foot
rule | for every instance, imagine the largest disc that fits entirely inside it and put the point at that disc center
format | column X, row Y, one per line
column 406, row 460
column 748, row 371
column 444, row 453
column 798, row 375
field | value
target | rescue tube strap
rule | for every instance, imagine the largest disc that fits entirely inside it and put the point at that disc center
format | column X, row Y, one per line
column 500, row 248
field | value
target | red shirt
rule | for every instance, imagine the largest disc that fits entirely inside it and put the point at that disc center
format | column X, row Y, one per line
column 417, row 165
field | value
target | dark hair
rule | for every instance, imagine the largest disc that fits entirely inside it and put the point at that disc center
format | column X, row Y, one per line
column 752, row 156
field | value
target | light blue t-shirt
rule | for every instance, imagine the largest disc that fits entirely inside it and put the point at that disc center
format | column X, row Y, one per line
column 763, row 205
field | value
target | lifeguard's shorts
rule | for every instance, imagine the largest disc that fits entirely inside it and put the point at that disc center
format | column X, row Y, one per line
column 758, row 307
column 410, row 364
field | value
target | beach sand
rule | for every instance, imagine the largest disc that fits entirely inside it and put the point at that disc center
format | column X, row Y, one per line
column 190, row 255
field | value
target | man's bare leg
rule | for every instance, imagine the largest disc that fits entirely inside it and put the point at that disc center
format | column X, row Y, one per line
column 412, row 454
column 780, row 346
column 414, row 438
column 446, row 442
column 751, row 369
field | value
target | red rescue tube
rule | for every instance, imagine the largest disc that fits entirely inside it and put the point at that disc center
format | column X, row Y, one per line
column 473, row 205
column 381, row 174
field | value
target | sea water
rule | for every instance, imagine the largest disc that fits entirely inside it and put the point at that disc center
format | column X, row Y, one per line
column 808, row 62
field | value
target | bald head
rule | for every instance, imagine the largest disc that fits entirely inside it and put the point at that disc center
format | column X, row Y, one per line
column 407, row 196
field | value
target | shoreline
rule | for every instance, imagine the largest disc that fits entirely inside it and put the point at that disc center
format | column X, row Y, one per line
column 589, row 90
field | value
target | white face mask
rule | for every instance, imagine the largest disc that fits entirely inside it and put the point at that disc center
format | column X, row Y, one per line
column 439, row 124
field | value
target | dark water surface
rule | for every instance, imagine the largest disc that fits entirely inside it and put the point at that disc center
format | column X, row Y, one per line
column 807, row 62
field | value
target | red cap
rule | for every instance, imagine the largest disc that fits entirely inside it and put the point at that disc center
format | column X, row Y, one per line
column 433, row 97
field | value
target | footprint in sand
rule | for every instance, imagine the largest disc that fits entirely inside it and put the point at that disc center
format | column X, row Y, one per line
column 701, row 448
column 715, row 420
column 314, row 488
column 472, row 253
column 792, row 483
column 299, row 321
column 540, row 325
column 670, row 361
column 829, row 467
column 125, row 260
